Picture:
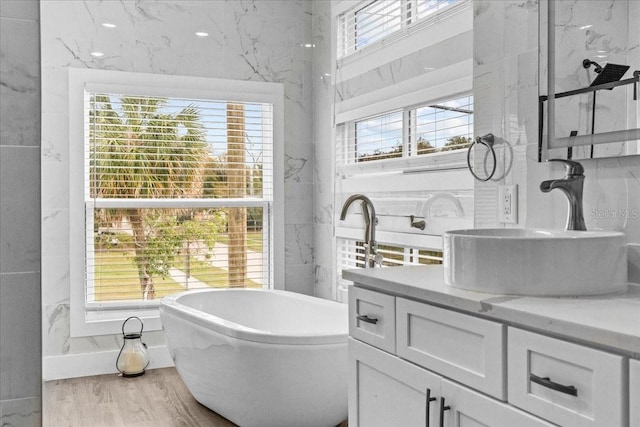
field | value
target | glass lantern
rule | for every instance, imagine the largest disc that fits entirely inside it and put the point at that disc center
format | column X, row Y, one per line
column 133, row 358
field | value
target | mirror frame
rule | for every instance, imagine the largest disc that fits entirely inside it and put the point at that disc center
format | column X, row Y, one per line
column 551, row 142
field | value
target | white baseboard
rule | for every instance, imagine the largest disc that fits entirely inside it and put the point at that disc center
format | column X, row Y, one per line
column 88, row 364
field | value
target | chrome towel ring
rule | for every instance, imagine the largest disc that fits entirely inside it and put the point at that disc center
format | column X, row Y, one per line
column 488, row 141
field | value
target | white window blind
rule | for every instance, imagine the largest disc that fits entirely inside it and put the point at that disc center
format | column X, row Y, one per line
column 433, row 128
column 178, row 196
column 351, row 255
column 376, row 21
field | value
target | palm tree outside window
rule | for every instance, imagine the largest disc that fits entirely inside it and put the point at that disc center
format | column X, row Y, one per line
column 176, row 195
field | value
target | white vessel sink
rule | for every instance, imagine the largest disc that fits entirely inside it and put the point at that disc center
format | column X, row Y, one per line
column 536, row 262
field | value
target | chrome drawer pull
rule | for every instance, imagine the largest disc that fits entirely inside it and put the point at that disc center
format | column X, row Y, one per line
column 367, row 319
column 546, row 382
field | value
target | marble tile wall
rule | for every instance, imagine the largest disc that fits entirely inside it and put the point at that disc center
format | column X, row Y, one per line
column 506, row 93
column 247, row 41
column 20, row 343
column 323, row 152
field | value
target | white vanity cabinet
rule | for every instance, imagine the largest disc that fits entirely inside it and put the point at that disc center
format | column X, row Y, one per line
column 634, row 393
column 411, row 375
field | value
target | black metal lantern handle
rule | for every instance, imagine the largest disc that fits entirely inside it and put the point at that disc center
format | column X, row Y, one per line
column 138, row 319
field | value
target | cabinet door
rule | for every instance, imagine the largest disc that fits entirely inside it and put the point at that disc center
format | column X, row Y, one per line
column 387, row 391
column 457, row 346
column 467, row 408
column 634, row 392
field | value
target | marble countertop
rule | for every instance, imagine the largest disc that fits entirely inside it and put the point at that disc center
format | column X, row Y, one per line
column 610, row 322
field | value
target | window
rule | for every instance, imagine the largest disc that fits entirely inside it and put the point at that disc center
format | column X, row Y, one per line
column 433, row 128
column 177, row 194
column 373, row 22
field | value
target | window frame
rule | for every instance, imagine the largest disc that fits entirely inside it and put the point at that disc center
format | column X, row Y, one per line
column 89, row 319
column 347, row 36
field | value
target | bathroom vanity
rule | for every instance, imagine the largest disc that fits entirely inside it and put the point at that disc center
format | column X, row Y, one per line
column 422, row 353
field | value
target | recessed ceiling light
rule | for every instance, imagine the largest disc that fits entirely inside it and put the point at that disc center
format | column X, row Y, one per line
column 202, row 34
column 109, row 25
column 584, row 27
column 97, row 54
column 307, row 45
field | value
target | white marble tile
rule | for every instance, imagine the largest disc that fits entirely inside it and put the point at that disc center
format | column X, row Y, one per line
column 55, row 232
column 488, row 31
column 324, row 284
column 299, row 210
column 55, row 329
column 296, row 279
column 298, row 244
column 58, row 286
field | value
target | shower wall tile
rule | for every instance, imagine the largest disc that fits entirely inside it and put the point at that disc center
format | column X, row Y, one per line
column 21, row 412
column 20, row 346
column 20, row 333
column 20, row 88
column 20, row 209
column 20, row 9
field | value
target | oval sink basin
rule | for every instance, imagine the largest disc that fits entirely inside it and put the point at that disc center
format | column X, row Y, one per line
column 535, row 262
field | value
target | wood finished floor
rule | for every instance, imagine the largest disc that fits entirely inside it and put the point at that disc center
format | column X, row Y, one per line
column 159, row 398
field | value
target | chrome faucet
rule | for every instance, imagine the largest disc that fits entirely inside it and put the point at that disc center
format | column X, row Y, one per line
column 571, row 185
column 372, row 257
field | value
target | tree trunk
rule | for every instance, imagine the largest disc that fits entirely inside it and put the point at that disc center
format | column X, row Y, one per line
column 236, row 182
column 142, row 260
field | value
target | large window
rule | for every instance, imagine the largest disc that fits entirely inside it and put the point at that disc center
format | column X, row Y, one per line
column 369, row 23
column 178, row 194
column 428, row 129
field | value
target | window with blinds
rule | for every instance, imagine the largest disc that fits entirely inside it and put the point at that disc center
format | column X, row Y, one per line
column 178, row 196
column 351, row 255
column 371, row 22
column 438, row 127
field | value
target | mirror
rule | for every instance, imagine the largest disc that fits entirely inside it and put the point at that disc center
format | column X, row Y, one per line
column 589, row 73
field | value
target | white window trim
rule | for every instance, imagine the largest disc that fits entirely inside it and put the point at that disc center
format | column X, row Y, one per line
column 83, row 322
column 405, row 42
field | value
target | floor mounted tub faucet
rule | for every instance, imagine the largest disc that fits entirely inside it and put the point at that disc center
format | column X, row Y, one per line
column 372, row 257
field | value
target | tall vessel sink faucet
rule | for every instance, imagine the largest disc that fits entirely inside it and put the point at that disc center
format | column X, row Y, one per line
column 571, row 185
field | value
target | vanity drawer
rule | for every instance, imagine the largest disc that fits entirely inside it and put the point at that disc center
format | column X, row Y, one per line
column 565, row 383
column 464, row 348
column 372, row 318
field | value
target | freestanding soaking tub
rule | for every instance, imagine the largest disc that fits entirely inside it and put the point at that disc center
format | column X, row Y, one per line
column 261, row 357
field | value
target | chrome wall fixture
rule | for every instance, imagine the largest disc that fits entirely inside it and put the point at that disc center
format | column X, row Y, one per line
column 487, row 140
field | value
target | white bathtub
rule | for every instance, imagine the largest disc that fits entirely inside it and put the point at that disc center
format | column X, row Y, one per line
column 261, row 357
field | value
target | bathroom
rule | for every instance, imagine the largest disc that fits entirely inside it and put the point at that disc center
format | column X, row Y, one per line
column 492, row 52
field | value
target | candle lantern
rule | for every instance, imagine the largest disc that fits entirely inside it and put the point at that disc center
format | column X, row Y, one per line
column 133, row 358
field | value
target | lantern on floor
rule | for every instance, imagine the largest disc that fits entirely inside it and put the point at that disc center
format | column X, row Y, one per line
column 134, row 357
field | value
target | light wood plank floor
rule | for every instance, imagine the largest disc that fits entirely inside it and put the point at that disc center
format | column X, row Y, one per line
column 159, row 398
